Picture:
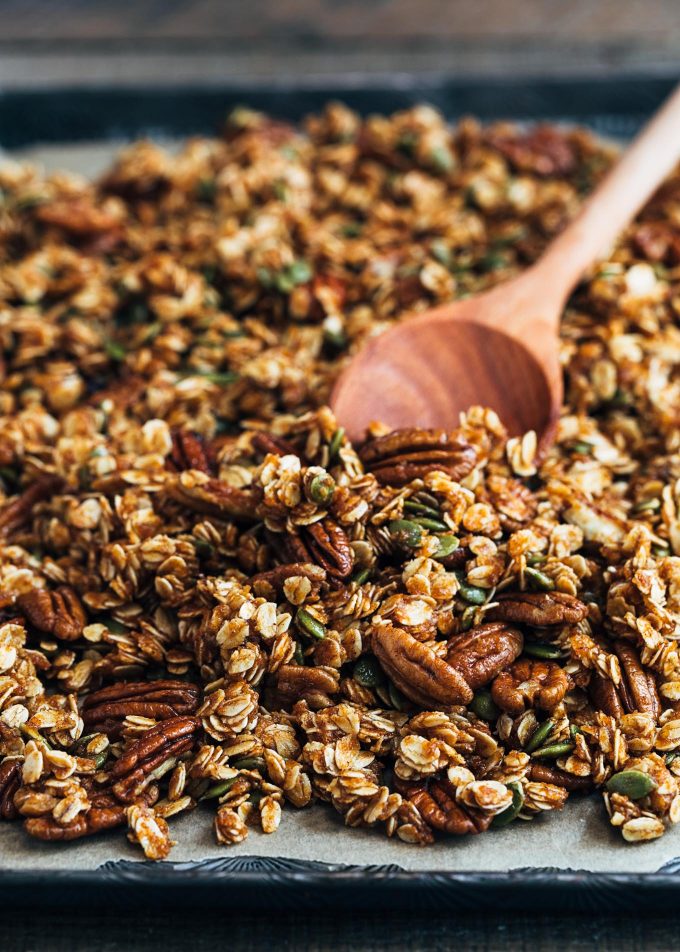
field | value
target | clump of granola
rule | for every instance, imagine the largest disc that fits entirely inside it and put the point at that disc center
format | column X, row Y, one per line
column 207, row 594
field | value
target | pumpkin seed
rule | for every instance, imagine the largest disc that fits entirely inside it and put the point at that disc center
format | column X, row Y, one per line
column 512, row 812
column 631, row 783
column 397, row 699
column 322, row 488
column 218, row 789
column 647, row 505
column 472, row 594
column 483, row 706
column 361, row 576
column 539, row 579
column 669, row 758
column 336, row 442
column 412, row 505
column 552, row 751
column 581, row 447
column 249, row 763
column 447, row 544
column 406, row 532
column 539, row 736
column 310, row 625
column 204, row 550
column 546, row 652
column 368, row 672
column 535, row 558
column 434, row 525
column 115, row 350
column 298, row 655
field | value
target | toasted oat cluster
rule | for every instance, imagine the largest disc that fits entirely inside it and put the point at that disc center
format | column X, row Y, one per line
column 208, row 594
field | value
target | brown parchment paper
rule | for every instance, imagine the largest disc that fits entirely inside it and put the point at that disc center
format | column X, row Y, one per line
column 578, row 838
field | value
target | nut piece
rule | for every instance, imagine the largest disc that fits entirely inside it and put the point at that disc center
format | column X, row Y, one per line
column 417, row 671
column 438, row 807
column 329, row 547
column 636, row 692
column 315, row 685
column 17, row 513
column 538, row 609
column 105, row 813
column 270, row 584
column 59, row 613
column 481, row 653
column 10, row 781
column 411, row 453
column 105, row 711
column 542, row 773
column 530, row 683
column 160, row 745
column 188, row 452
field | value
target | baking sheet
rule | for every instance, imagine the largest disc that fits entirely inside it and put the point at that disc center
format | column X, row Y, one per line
column 578, row 838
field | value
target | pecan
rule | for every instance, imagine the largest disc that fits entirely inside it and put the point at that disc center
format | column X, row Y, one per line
column 542, row 773
column 543, row 150
column 658, row 241
column 10, row 781
column 417, row 671
column 437, row 805
column 482, row 652
column 329, row 547
column 215, row 498
column 59, row 613
column 411, row 453
column 132, row 772
column 636, row 692
column 105, row 711
column 266, row 443
column 188, row 452
column 539, row 609
column 513, row 501
column 270, row 584
column 77, row 216
column 529, row 683
column 316, row 685
column 105, row 813
column 18, row 512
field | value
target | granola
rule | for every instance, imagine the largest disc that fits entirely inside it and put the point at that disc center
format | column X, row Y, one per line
column 209, row 596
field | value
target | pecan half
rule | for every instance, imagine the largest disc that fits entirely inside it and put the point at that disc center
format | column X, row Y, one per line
column 482, row 652
column 59, row 613
column 411, row 453
column 105, row 813
column 269, row 584
column 10, row 781
column 636, row 692
column 529, row 683
column 316, row 686
column 539, row 609
column 133, row 771
column 17, row 513
column 215, row 498
column 437, row 805
column 188, row 452
column 542, row 773
column 105, row 711
column 267, row 443
column 543, row 150
column 329, row 547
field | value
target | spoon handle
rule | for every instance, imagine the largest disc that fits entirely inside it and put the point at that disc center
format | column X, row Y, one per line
column 642, row 167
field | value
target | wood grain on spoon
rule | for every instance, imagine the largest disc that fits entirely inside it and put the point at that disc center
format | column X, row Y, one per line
column 501, row 348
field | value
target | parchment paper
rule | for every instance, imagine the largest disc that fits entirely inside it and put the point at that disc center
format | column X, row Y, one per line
column 579, row 837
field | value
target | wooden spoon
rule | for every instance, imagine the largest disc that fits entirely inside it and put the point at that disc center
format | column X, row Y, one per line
column 500, row 349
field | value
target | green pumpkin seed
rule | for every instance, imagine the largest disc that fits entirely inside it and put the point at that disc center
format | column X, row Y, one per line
column 535, row 559
column 631, row 783
column 441, row 159
column 647, row 505
column 483, row 706
column 473, row 594
column 661, row 551
column 512, row 812
column 204, row 550
column 669, row 758
column 100, row 759
column 406, row 532
column 552, row 751
column 538, row 649
column 434, row 525
column 368, row 672
column 298, row 655
column 336, row 442
column 574, row 731
column 310, row 625
column 361, row 576
column 539, row 736
column 321, row 489
column 447, row 544
column 412, row 505
column 249, row 763
column 218, row 789
column 581, row 447
column 397, row 699
column 539, row 580
column 441, row 252
column 115, row 350
column 467, row 619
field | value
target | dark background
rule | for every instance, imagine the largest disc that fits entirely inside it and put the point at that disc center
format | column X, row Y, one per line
column 47, row 44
